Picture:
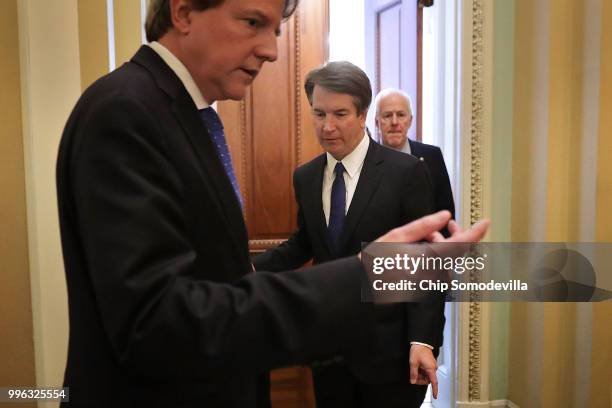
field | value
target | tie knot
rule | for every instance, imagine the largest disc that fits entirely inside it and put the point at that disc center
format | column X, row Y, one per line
column 339, row 169
column 211, row 119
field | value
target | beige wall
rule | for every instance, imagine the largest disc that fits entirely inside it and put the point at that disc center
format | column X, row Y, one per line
column 61, row 47
column 601, row 354
column 93, row 40
column 50, row 82
column 16, row 338
column 559, row 354
column 128, row 30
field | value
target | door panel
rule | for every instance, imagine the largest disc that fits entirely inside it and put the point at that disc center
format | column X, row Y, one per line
column 389, row 47
column 269, row 134
column 392, row 49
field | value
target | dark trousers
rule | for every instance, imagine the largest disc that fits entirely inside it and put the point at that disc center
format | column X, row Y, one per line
column 336, row 387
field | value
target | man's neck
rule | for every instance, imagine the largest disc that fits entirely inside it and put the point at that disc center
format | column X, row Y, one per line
column 404, row 147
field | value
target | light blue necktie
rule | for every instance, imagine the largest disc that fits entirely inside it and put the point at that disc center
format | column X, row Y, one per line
column 215, row 129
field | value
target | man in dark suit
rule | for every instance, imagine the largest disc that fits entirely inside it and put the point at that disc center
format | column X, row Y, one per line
column 379, row 189
column 164, row 309
column 393, row 120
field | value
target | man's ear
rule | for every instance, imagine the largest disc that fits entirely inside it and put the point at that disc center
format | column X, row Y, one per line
column 362, row 118
column 179, row 11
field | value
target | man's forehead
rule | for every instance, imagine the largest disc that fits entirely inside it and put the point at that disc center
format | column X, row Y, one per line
column 394, row 99
column 394, row 109
column 339, row 102
column 268, row 8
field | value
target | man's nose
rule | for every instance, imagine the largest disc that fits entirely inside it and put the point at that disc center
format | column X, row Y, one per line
column 394, row 119
column 328, row 124
column 268, row 48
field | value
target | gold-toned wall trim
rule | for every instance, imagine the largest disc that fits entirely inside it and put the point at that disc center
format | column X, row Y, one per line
column 298, row 88
column 243, row 155
column 260, row 245
column 377, row 54
column 474, row 384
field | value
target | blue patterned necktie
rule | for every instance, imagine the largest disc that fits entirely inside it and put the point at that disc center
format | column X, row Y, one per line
column 337, row 207
column 215, row 129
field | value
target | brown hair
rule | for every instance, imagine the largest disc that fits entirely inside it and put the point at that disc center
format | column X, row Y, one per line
column 159, row 18
column 341, row 77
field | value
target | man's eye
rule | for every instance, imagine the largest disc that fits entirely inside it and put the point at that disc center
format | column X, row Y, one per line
column 252, row 22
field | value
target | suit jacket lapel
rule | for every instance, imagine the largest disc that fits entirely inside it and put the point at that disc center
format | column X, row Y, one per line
column 366, row 187
column 415, row 149
column 314, row 206
column 188, row 117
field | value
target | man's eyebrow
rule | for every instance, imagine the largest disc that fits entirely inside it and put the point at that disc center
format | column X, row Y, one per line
column 257, row 13
column 263, row 17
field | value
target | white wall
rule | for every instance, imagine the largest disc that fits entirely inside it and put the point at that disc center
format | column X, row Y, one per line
column 347, row 31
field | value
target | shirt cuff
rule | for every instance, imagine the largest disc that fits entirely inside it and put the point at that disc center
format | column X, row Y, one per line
column 421, row 344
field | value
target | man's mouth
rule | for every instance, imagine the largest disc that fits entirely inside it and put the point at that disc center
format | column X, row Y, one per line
column 251, row 72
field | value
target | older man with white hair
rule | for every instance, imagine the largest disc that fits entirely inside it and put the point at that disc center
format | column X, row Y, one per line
column 393, row 120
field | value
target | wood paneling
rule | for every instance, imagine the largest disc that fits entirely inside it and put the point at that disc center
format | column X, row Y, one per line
column 269, row 134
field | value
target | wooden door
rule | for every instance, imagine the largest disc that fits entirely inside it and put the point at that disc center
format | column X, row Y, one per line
column 393, row 50
column 269, row 134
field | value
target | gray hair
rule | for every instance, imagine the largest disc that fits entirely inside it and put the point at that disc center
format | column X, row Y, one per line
column 159, row 17
column 392, row 91
column 341, row 77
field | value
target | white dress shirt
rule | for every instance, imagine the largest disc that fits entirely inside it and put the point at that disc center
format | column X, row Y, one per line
column 406, row 147
column 181, row 71
column 353, row 163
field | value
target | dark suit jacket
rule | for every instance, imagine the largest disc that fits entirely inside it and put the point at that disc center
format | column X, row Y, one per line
column 393, row 189
column 163, row 308
column 432, row 156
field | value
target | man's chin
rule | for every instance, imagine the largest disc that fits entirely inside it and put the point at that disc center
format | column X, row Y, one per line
column 237, row 95
column 395, row 143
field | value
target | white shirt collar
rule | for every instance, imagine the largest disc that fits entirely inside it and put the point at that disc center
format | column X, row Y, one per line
column 182, row 73
column 406, row 147
column 354, row 160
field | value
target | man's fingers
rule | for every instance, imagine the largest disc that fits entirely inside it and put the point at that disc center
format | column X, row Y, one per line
column 417, row 230
column 435, row 237
column 422, row 379
column 453, row 227
column 414, row 372
column 433, row 379
column 474, row 234
column 434, row 389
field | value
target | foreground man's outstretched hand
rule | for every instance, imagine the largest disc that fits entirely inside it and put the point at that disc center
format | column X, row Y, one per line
column 422, row 362
column 427, row 228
